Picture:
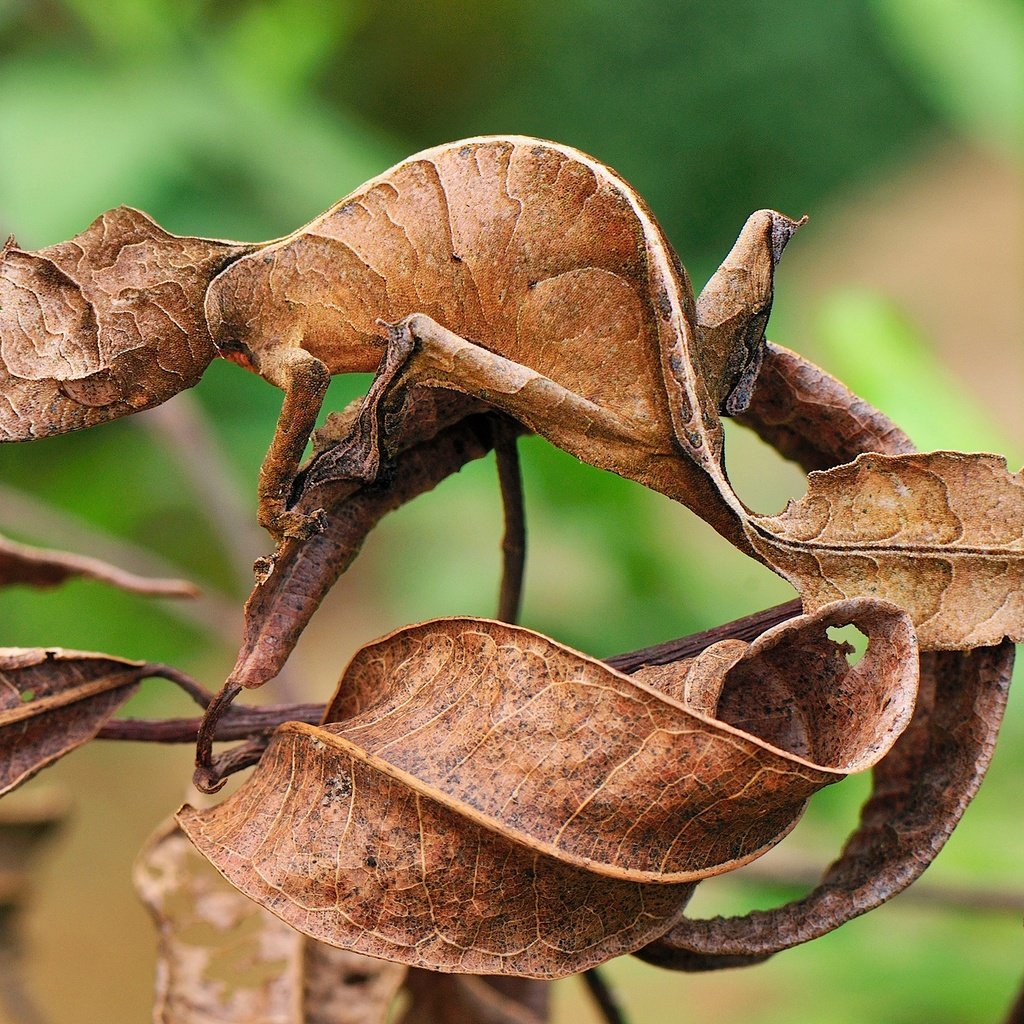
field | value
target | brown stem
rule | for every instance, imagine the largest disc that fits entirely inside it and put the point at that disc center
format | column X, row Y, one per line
column 603, row 996
column 239, row 723
column 747, row 628
column 224, row 721
column 199, row 693
column 513, row 544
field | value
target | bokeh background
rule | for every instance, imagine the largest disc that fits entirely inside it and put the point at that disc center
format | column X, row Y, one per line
column 897, row 125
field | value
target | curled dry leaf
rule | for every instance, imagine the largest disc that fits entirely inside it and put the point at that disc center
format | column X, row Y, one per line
column 39, row 567
column 482, row 799
column 302, row 570
column 919, row 793
column 52, row 701
column 224, row 959
column 940, row 534
column 808, row 416
column 922, row 788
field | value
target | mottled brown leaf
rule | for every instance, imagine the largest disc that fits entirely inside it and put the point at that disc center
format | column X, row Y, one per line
column 40, row 567
column 482, row 799
column 290, row 586
column 103, row 325
column 922, row 788
column 225, row 959
column 52, row 701
column 809, row 416
column 940, row 534
column 920, row 792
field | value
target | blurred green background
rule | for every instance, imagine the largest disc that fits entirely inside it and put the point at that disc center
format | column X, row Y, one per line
column 898, row 125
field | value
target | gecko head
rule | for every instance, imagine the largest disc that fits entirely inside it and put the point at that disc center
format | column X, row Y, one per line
column 733, row 309
column 104, row 325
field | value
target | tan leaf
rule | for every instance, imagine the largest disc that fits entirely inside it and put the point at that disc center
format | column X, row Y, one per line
column 940, row 534
column 921, row 789
column 919, row 793
column 225, row 959
column 103, row 325
column 488, row 801
column 40, row 567
column 52, row 701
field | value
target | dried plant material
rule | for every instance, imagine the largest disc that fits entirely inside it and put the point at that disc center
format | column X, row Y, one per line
column 733, row 309
column 521, row 272
column 224, row 959
column 39, row 567
column 52, row 701
column 103, row 325
column 940, row 534
column 922, row 788
column 482, row 799
column 920, row 792
column 467, row 999
column 290, row 587
column 807, row 415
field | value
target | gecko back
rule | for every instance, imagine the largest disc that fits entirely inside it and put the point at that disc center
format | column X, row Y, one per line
column 529, row 249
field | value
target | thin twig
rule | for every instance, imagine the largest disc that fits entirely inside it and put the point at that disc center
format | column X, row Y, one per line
column 25, row 514
column 199, row 693
column 238, row 723
column 603, row 996
column 747, row 628
column 225, row 721
column 205, row 778
column 513, row 543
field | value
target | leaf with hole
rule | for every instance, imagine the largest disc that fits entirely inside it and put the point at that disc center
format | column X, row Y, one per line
column 481, row 799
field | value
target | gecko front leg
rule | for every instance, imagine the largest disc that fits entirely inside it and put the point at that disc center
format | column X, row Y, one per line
column 304, row 380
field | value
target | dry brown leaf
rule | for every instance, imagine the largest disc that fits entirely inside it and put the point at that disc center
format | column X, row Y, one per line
column 40, row 567
column 922, row 788
column 52, row 701
column 225, row 959
column 810, row 417
column 485, row 800
column 290, row 586
column 940, row 534
column 920, row 791
column 103, row 325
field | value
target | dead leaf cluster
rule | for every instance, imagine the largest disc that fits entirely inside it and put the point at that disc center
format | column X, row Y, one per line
column 478, row 799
